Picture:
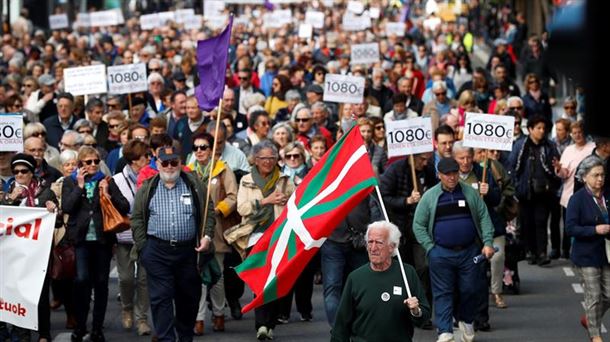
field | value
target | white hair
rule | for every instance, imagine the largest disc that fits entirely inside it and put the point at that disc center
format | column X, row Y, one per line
column 439, row 85
column 155, row 76
column 514, row 98
column 393, row 233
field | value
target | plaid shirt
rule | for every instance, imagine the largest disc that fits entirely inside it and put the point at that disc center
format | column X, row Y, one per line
column 171, row 213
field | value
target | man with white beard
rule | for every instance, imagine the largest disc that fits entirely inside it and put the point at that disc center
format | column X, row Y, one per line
column 167, row 223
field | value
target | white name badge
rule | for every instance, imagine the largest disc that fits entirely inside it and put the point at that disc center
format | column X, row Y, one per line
column 397, row 291
column 185, row 199
column 214, row 180
column 461, row 203
column 475, row 186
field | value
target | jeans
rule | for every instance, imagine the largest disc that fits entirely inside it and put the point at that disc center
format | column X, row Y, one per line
column 92, row 272
column 338, row 260
column 451, row 271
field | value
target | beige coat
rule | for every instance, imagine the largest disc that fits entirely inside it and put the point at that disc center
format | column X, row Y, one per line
column 223, row 208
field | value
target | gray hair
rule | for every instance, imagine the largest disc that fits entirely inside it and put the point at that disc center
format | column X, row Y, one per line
column 320, row 105
column 514, row 98
column 439, row 85
column 292, row 95
column 82, row 123
column 33, row 127
column 264, row 144
column 304, row 109
column 587, row 165
column 393, row 233
column 67, row 155
column 459, row 146
column 378, row 71
column 78, row 138
column 285, row 126
column 212, row 128
column 570, row 99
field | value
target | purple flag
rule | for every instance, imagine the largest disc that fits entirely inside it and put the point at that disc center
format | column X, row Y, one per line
column 269, row 5
column 211, row 65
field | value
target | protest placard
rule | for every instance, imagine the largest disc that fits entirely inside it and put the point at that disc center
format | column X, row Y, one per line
column 11, row 132
column 305, row 31
column 149, row 21
column 409, row 136
column 365, row 53
column 128, row 78
column 489, row 131
column 343, row 88
column 315, row 19
column 58, row 21
column 85, row 80
column 397, row 29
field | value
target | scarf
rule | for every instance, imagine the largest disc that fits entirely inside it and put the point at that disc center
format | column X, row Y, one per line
column 291, row 173
column 264, row 215
column 29, row 192
column 400, row 116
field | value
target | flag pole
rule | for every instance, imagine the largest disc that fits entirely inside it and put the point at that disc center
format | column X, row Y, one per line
column 402, row 267
column 207, row 196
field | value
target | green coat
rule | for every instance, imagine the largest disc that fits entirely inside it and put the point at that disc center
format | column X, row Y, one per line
column 425, row 216
column 140, row 213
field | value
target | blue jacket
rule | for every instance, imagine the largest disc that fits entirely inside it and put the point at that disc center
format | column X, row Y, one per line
column 582, row 215
column 492, row 199
column 519, row 165
column 54, row 129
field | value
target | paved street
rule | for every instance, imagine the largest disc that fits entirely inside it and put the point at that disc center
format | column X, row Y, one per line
column 548, row 309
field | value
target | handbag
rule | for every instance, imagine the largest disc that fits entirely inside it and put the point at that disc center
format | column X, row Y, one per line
column 63, row 262
column 113, row 221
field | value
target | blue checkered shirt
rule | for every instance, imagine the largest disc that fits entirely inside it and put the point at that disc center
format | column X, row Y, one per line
column 171, row 213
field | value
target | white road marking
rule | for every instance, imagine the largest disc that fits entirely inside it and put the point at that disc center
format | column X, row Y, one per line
column 578, row 288
column 568, row 271
column 114, row 274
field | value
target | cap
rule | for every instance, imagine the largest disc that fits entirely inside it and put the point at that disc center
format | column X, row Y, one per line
column 25, row 160
column 46, row 80
column 137, row 100
column 314, row 88
column 179, row 76
column 448, row 165
column 168, row 153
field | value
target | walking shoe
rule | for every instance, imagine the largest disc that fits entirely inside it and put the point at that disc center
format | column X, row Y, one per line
column 127, row 319
column 218, row 323
column 482, row 326
column 500, row 303
column 235, row 309
column 467, row 332
column 198, row 328
column 306, row 317
column 543, row 260
column 262, row 333
column 281, row 319
column 554, row 254
column 143, row 328
column 445, row 337
column 584, row 322
column 427, row 325
column 97, row 336
column 77, row 336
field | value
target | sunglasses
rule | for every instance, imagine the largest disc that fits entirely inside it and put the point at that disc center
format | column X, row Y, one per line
column 113, row 126
column 243, row 78
column 155, row 70
column 569, row 107
column 85, row 131
column 439, row 94
column 266, row 159
column 201, row 147
column 91, row 145
column 39, row 134
column 113, row 106
column 173, row 163
column 91, row 161
column 264, row 123
column 302, row 119
column 293, row 156
column 380, row 127
column 21, row 171
column 516, row 108
column 517, row 123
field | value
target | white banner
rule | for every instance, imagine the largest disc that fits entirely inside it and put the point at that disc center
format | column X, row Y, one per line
column 85, row 80
column 356, row 7
column 182, row 15
column 164, row 17
column 213, row 8
column 374, row 12
column 489, row 131
column 305, row 31
column 149, row 21
column 104, row 18
column 217, row 22
column 397, row 29
column 58, row 21
column 193, row 23
column 356, row 23
column 365, row 53
column 315, row 19
column 343, row 88
column 277, row 18
column 11, row 133
column 409, row 136
column 129, row 78
column 83, row 20
column 26, row 236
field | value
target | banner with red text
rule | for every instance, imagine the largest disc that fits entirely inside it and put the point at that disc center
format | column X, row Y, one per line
column 26, row 235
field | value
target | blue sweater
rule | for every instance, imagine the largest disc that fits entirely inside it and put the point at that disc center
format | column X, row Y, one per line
column 453, row 224
column 582, row 215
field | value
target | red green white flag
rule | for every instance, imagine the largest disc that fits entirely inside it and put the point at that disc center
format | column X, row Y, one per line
column 336, row 184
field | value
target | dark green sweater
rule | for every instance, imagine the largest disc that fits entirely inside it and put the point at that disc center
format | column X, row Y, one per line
column 372, row 308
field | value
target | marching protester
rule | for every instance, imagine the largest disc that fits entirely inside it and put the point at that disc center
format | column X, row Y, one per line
column 360, row 316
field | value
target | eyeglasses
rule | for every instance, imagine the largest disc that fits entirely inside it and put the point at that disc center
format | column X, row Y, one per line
column 569, row 107
column 302, row 119
column 91, row 145
column 517, row 123
column 113, row 105
column 293, row 156
column 91, row 161
column 243, row 78
column 67, row 145
column 266, row 159
column 380, row 127
column 155, row 70
column 173, row 163
column 264, row 123
column 39, row 134
column 516, row 108
column 21, row 171
column 85, row 131
column 201, row 147
column 439, row 94
column 28, row 85
column 532, row 81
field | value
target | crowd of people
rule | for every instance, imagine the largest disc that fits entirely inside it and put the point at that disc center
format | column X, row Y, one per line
column 151, row 154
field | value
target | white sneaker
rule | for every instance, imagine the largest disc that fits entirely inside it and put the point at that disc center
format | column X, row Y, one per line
column 261, row 334
column 467, row 331
column 445, row 337
column 270, row 334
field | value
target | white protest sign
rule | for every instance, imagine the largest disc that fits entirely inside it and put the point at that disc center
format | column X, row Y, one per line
column 397, row 29
column 164, row 17
column 409, row 136
column 365, row 53
column 489, row 131
column 182, row 15
column 343, row 88
column 244, row 2
column 213, row 8
column 217, row 22
column 85, row 80
column 104, row 18
column 149, row 21
column 119, row 16
column 193, row 23
column 356, row 7
column 277, row 18
column 374, row 12
column 58, row 21
column 11, row 133
column 305, row 31
column 26, row 236
column 83, row 20
column 129, row 78
column 328, row 3
column 356, row 23
column 315, row 19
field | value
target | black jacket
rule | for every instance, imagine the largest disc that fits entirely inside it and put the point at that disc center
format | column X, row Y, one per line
column 81, row 210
